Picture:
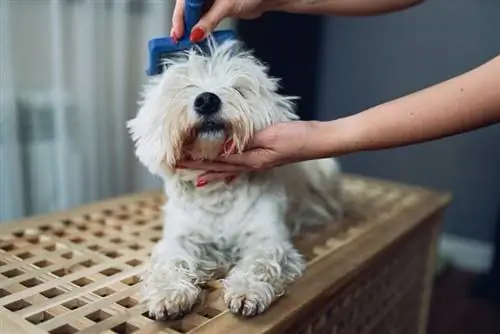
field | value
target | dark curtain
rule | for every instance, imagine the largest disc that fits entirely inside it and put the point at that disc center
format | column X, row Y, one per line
column 290, row 45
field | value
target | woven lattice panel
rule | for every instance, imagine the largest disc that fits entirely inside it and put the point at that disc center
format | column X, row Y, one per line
column 78, row 271
column 385, row 299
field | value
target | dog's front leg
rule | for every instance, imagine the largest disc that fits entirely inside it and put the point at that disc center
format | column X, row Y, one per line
column 268, row 263
column 170, row 284
column 261, row 276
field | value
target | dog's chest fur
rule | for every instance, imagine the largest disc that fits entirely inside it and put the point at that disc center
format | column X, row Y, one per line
column 229, row 217
column 221, row 213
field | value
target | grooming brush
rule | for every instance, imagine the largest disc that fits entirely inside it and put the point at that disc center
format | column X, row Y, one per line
column 161, row 48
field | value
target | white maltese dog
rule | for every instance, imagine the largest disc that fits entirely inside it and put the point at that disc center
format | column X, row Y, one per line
column 200, row 106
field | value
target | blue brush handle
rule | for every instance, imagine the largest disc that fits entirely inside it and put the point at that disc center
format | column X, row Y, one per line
column 159, row 48
column 192, row 14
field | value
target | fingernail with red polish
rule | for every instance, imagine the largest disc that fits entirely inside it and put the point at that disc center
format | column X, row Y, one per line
column 197, row 35
column 201, row 183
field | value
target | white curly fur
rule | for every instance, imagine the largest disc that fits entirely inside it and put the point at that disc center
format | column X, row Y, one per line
column 242, row 228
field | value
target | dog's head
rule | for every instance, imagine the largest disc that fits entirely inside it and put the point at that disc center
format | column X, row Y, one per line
column 204, row 105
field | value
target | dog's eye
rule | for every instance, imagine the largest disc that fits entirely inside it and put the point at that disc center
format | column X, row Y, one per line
column 240, row 91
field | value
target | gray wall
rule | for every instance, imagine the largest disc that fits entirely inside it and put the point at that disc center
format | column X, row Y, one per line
column 367, row 61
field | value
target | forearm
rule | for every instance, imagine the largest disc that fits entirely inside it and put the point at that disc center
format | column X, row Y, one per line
column 464, row 103
column 342, row 7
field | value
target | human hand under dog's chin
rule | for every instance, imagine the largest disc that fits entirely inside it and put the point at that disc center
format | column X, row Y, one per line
column 274, row 146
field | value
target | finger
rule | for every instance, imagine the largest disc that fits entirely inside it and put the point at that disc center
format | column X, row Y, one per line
column 173, row 35
column 212, row 176
column 178, row 20
column 210, row 20
column 259, row 140
column 249, row 15
column 211, row 166
column 249, row 159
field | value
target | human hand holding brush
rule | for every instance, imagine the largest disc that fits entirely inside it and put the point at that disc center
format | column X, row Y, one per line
column 218, row 10
column 214, row 13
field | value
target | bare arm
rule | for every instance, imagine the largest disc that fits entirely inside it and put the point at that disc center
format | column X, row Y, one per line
column 342, row 7
column 221, row 9
column 464, row 103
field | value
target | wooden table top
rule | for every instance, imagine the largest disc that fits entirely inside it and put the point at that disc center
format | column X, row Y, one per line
column 77, row 271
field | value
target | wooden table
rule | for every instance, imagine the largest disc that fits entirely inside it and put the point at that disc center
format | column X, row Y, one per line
column 77, row 271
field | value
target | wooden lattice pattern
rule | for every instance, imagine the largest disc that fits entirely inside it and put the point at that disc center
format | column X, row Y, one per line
column 385, row 300
column 78, row 271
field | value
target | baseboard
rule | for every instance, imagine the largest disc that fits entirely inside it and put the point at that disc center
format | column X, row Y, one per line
column 467, row 254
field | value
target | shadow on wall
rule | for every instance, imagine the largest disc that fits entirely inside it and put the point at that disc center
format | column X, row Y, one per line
column 367, row 61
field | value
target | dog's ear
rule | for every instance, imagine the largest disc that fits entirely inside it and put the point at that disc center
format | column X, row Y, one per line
column 284, row 108
column 279, row 107
column 160, row 125
column 147, row 135
column 275, row 107
column 148, row 130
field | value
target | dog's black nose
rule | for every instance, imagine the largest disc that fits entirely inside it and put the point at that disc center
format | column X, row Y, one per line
column 207, row 104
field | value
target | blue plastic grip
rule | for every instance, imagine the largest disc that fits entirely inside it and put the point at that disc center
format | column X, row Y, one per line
column 192, row 14
column 160, row 48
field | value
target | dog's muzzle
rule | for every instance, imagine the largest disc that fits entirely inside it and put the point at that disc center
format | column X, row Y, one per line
column 208, row 105
column 208, row 137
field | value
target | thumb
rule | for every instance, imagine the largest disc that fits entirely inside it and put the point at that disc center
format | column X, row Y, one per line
column 256, row 151
column 252, row 158
column 209, row 21
column 262, row 139
column 178, row 20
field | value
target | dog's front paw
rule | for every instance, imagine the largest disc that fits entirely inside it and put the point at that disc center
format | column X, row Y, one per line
column 248, row 297
column 168, row 298
column 173, row 303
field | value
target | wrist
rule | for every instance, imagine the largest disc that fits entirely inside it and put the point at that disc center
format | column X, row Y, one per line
column 278, row 5
column 337, row 137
